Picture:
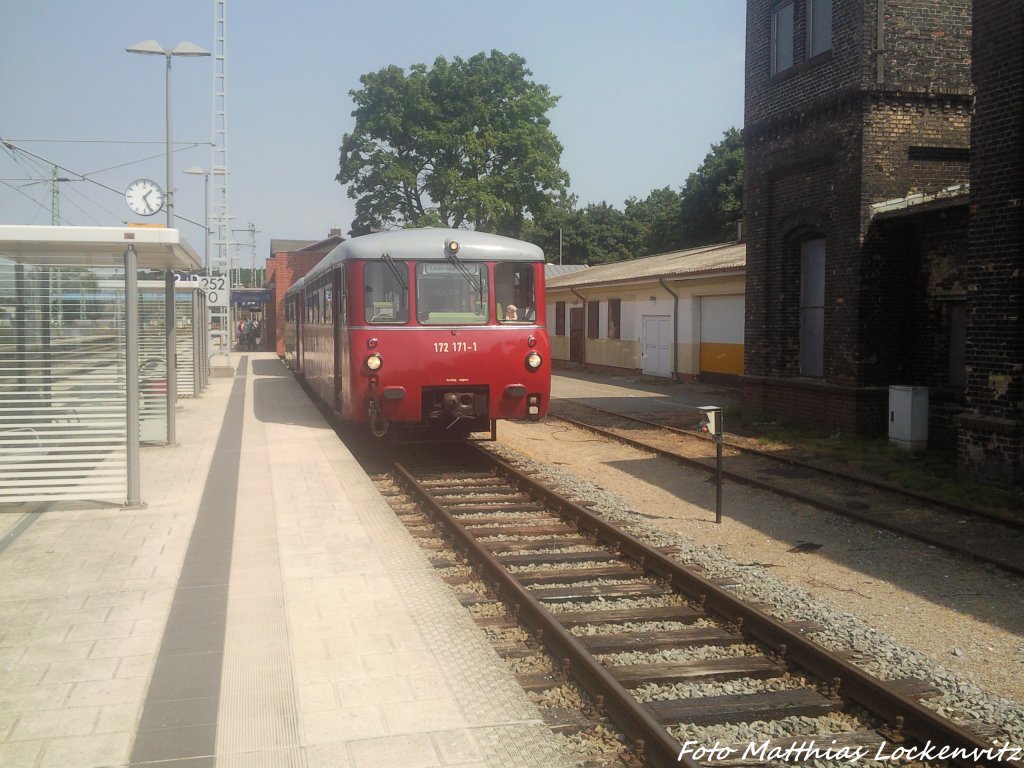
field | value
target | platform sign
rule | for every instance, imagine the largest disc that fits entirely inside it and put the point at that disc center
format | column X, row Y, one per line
column 216, row 289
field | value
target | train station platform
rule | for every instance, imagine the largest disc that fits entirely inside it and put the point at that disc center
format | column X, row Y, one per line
column 265, row 608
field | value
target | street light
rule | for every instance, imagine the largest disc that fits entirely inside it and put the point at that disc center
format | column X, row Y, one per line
column 195, row 170
column 152, row 47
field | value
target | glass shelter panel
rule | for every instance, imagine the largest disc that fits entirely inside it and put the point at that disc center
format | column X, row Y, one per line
column 152, row 362
column 62, row 382
column 451, row 293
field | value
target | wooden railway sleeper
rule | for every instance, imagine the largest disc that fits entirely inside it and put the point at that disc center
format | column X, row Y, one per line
column 908, row 715
column 860, row 686
column 631, row 717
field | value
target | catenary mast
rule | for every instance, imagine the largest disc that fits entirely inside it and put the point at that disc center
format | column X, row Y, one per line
column 220, row 222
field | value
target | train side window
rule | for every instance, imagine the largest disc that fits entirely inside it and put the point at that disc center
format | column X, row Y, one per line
column 515, row 292
column 386, row 287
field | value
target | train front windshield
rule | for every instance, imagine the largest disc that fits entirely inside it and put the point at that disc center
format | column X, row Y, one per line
column 451, row 294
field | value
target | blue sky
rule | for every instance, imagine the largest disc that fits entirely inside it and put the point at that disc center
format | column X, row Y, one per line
column 646, row 87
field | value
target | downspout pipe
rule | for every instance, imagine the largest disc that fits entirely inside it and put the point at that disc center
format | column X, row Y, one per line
column 675, row 328
column 582, row 298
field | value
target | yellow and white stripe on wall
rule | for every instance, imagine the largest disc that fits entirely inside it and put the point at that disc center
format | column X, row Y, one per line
column 721, row 334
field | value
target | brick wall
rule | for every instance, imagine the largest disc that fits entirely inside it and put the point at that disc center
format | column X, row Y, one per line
column 283, row 270
column 991, row 435
column 824, row 141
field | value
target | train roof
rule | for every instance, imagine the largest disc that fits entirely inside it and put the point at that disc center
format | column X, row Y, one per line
column 428, row 244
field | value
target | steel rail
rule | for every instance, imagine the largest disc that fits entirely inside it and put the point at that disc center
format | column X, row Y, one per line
column 952, row 506
column 877, row 522
column 905, row 715
column 628, row 714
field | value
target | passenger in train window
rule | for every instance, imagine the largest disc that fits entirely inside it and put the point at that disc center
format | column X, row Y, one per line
column 511, row 312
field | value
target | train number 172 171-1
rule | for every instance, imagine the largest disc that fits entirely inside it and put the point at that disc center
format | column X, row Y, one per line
column 454, row 346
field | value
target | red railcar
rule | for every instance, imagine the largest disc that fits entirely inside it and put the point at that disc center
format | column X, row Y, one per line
column 424, row 328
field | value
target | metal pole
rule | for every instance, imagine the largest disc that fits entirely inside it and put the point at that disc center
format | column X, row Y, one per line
column 206, row 222
column 718, row 482
column 170, row 151
column 172, row 356
column 131, row 320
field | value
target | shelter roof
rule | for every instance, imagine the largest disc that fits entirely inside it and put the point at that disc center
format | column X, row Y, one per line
column 695, row 262
column 922, row 202
column 155, row 247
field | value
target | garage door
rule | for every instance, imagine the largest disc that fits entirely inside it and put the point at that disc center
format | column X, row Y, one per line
column 721, row 335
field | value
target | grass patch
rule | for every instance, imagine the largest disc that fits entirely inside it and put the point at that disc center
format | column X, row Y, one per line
column 932, row 471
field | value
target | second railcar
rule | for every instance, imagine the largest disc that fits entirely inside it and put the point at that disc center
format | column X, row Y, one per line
column 443, row 329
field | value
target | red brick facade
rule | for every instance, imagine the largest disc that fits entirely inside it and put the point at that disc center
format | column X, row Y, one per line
column 283, row 269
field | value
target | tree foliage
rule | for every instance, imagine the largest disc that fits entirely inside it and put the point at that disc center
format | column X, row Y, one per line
column 466, row 143
column 712, row 198
column 704, row 211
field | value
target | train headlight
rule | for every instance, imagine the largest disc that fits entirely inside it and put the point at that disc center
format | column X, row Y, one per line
column 374, row 361
column 534, row 361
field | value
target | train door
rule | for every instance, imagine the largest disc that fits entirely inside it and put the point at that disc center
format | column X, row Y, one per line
column 340, row 336
column 300, row 329
column 657, row 345
column 577, row 339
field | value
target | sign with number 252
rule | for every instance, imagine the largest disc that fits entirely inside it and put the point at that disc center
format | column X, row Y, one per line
column 216, row 289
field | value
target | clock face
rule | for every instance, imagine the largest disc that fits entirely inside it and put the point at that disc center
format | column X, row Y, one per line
column 144, row 197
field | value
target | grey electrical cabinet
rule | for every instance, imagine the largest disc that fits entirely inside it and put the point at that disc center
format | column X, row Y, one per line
column 908, row 417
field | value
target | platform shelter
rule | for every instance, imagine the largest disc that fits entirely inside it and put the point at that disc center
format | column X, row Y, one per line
column 70, row 368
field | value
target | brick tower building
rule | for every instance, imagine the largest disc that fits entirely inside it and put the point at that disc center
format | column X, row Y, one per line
column 857, row 134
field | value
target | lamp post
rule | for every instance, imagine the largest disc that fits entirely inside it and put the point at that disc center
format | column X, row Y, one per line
column 195, row 170
column 152, row 47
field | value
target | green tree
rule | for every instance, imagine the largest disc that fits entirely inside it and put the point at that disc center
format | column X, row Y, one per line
column 596, row 234
column 605, row 234
column 712, row 198
column 466, row 143
column 657, row 218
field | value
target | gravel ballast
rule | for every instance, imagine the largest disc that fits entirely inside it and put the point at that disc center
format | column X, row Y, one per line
column 909, row 610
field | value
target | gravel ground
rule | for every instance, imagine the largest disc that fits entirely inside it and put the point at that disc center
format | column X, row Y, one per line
column 912, row 610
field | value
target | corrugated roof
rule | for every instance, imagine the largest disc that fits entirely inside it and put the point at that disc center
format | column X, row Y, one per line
column 696, row 261
column 557, row 270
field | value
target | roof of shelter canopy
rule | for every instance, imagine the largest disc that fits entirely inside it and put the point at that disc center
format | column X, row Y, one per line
column 155, row 247
column 696, row 262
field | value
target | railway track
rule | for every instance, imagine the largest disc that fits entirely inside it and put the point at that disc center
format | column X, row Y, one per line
column 665, row 653
column 984, row 535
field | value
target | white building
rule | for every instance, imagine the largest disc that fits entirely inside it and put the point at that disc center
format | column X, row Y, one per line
column 677, row 315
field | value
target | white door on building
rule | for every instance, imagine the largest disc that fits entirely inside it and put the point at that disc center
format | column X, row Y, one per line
column 657, row 343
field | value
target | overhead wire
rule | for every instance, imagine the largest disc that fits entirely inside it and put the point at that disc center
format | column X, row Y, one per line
column 24, row 159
